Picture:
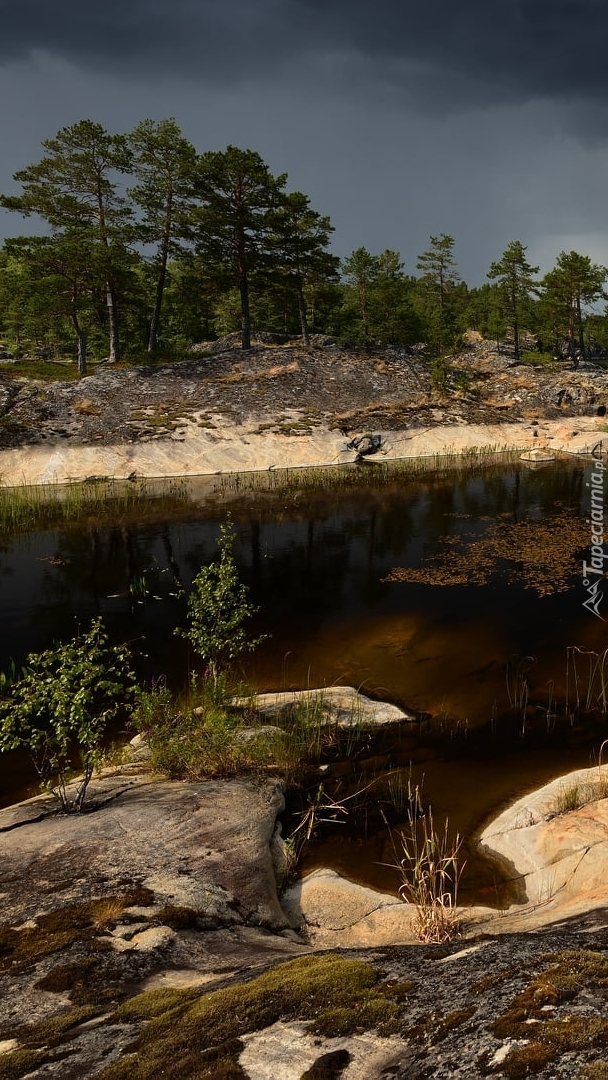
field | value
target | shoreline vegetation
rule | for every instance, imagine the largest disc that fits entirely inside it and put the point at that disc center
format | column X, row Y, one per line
column 29, row 504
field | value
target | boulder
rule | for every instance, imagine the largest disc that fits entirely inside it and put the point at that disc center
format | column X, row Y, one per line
column 539, row 456
column 365, row 444
column 561, row 857
column 342, row 705
column 333, row 912
column 205, row 846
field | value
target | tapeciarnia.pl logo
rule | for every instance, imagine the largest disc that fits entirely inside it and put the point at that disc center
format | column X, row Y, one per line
column 593, row 571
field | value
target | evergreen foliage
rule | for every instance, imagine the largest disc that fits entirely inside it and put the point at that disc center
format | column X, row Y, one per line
column 142, row 233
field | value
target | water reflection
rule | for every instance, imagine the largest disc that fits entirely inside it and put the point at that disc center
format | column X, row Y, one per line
column 317, row 569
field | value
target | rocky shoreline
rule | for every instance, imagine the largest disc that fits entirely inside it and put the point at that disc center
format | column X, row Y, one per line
column 244, row 449
column 288, row 407
column 173, row 888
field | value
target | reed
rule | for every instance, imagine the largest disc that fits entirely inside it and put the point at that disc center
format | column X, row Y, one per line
column 351, row 476
column 586, row 680
column 31, row 506
column 403, row 795
column 430, row 868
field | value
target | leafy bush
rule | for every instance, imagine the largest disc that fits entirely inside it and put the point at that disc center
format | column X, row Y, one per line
column 65, row 698
column 219, row 609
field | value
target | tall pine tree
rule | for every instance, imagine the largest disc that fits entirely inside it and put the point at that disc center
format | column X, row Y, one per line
column 73, row 189
column 300, row 242
column 164, row 165
column 514, row 277
column 234, row 222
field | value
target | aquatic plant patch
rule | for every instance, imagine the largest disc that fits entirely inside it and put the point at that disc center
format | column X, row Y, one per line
column 540, row 555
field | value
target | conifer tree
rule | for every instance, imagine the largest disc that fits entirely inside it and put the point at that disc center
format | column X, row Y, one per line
column 233, row 230
column 73, row 189
column 515, row 279
column 300, row 241
column 163, row 163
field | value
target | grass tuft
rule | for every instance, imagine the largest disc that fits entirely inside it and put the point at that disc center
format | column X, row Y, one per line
column 431, row 870
column 573, row 795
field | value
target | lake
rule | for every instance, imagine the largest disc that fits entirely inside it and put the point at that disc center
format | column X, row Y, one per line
column 453, row 594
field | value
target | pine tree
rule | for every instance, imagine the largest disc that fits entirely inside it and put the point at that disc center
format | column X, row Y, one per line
column 360, row 272
column 63, row 277
column 163, row 163
column 73, row 189
column 515, row 280
column 239, row 197
column 573, row 283
column 435, row 291
column 300, row 241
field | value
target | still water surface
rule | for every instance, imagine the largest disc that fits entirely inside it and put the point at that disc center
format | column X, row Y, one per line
column 317, row 567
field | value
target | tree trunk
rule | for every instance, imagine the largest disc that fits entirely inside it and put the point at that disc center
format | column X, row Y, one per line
column 514, row 313
column 245, row 317
column 302, row 310
column 155, row 320
column 113, row 320
column 579, row 320
column 160, row 289
column 82, row 352
column 110, row 298
column 81, row 347
column 571, row 329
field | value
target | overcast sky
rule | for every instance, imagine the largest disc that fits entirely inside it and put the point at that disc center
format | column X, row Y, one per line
column 485, row 119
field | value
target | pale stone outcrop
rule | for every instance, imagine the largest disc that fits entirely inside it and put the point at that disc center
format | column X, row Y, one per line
column 343, row 705
column 205, row 846
column 243, row 448
column 562, row 857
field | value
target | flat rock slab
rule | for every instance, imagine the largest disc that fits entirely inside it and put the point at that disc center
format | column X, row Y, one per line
column 342, row 704
column 232, row 447
column 288, row 1050
column 562, row 857
column 205, row 846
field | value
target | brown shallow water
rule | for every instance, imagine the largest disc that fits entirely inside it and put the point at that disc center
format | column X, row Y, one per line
column 322, row 568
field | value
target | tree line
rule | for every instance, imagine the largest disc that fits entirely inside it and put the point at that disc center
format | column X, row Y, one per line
column 149, row 247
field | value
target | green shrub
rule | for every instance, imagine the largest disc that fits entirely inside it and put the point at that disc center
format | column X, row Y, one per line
column 534, row 358
column 64, row 699
column 440, row 374
column 219, row 610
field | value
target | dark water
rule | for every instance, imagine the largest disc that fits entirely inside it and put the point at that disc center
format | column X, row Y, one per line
column 316, row 566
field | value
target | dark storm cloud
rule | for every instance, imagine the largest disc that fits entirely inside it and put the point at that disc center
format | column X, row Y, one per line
column 442, row 53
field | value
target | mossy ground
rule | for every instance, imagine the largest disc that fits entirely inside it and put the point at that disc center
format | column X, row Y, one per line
column 39, row 1041
column 191, row 1035
column 530, row 1016
column 55, row 931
